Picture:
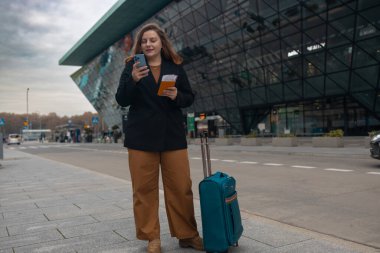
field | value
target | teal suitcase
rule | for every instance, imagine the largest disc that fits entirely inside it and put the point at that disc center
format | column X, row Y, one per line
column 221, row 219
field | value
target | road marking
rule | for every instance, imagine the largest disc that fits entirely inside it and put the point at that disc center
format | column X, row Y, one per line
column 229, row 161
column 303, row 167
column 199, row 158
column 248, row 162
column 339, row 170
column 374, row 173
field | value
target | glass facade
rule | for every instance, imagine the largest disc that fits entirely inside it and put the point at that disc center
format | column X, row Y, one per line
column 303, row 67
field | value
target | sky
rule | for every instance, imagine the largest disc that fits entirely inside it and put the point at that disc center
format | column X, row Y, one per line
column 34, row 35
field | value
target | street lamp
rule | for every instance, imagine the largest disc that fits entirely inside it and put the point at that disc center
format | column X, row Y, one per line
column 27, row 107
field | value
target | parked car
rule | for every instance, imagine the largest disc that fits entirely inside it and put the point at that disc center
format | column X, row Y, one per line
column 374, row 146
column 14, row 139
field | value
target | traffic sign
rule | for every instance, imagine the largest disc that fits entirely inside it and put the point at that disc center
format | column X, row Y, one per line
column 95, row 120
column 2, row 121
column 190, row 122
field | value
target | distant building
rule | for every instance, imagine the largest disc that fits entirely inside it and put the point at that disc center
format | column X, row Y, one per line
column 304, row 67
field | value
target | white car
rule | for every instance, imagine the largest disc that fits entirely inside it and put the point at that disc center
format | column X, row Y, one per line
column 14, row 139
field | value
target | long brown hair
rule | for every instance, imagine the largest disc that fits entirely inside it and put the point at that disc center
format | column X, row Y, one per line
column 168, row 51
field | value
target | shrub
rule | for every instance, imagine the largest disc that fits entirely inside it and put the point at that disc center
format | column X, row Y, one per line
column 335, row 133
column 252, row 135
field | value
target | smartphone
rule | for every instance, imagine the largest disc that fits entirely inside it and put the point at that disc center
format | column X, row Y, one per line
column 141, row 59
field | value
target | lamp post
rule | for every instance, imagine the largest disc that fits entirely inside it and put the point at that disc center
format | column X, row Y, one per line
column 27, row 107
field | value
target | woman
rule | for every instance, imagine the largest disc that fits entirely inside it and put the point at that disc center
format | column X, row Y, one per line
column 155, row 136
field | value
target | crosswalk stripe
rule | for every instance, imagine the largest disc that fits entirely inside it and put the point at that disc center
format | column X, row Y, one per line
column 248, row 162
column 373, row 173
column 229, row 161
column 339, row 170
column 273, row 164
column 303, row 167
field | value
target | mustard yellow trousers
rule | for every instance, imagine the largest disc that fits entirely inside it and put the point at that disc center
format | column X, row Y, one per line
column 144, row 168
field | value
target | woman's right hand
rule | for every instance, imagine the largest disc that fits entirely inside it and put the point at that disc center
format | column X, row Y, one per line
column 139, row 72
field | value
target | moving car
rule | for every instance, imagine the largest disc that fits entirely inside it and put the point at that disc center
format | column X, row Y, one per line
column 374, row 146
column 14, row 139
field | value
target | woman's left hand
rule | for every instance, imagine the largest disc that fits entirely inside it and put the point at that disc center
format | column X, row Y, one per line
column 170, row 92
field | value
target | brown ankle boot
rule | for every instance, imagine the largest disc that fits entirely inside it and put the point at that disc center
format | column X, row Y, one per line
column 195, row 243
column 154, row 246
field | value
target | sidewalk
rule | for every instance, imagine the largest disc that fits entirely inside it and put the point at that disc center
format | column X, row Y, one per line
column 47, row 206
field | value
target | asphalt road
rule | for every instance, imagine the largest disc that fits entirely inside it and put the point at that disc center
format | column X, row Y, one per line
column 337, row 196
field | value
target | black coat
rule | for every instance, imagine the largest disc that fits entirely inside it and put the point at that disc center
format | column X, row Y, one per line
column 154, row 123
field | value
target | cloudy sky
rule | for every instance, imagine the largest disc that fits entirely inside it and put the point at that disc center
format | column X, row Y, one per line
column 34, row 35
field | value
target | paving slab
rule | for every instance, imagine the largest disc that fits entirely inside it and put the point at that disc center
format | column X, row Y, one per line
column 6, row 251
column 93, row 228
column 125, row 204
column 32, row 211
column 57, row 224
column 29, row 239
column 89, row 242
column 270, row 234
column 122, row 214
column 58, row 215
column 18, row 207
column 3, row 232
column 33, row 218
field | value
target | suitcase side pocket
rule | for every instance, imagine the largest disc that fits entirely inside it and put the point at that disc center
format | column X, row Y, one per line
column 233, row 219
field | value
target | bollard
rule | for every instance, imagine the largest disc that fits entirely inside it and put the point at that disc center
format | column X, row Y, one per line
column 1, row 147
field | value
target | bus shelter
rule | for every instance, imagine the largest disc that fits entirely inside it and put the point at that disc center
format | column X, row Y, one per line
column 68, row 133
column 36, row 135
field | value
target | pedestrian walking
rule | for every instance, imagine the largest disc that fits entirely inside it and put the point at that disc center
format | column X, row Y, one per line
column 42, row 137
column 155, row 137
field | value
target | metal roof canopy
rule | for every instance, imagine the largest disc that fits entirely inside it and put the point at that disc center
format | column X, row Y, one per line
column 122, row 18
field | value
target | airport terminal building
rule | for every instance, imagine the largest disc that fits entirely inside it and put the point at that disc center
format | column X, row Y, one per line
column 275, row 66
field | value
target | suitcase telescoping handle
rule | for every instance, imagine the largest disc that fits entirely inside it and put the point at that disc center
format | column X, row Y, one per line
column 205, row 155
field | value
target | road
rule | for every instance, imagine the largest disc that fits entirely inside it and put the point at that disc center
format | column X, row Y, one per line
column 337, row 196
